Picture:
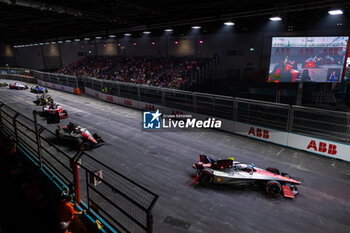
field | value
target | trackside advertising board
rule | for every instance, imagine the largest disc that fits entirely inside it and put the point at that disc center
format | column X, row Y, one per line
column 319, row 146
column 309, row 144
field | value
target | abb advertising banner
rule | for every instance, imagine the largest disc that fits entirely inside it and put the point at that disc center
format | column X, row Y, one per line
column 257, row 132
column 319, row 146
column 56, row 86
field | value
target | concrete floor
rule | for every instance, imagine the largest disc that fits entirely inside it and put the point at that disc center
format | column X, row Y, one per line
column 161, row 161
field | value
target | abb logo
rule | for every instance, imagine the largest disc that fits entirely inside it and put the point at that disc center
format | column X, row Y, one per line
column 110, row 98
column 128, row 102
column 150, row 107
column 176, row 113
column 259, row 133
column 322, row 147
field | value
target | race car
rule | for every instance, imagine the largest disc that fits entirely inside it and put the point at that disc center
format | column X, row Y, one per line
column 18, row 86
column 54, row 112
column 38, row 89
column 79, row 135
column 43, row 99
column 313, row 62
column 228, row 171
column 3, row 84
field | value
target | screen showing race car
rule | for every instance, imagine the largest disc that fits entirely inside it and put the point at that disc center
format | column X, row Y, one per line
column 307, row 59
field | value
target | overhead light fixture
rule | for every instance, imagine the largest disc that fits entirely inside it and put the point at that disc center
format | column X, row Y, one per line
column 60, row 41
column 53, row 42
column 112, row 36
column 86, row 39
column 196, row 27
column 47, row 43
column 41, row 43
column 98, row 37
column 77, row 39
column 229, row 23
column 335, row 12
column 68, row 41
column 276, row 18
column 146, row 32
column 168, row 30
column 35, row 44
column 127, row 34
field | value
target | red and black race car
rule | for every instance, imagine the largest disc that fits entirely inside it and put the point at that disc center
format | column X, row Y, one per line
column 54, row 112
column 79, row 135
column 228, row 171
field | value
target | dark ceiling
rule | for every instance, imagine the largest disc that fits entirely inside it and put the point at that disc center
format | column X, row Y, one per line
column 23, row 21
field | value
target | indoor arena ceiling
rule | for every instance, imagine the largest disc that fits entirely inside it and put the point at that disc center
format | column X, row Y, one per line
column 24, row 21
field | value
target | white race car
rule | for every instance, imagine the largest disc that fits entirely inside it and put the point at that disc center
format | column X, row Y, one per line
column 228, row 171
column 18, row 86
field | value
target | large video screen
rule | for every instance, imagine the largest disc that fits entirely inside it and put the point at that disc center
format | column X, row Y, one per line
column 307, row 59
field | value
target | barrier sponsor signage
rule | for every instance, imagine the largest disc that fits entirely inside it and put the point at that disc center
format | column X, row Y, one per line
column 262, row 133
column 56, row 86
column 319, row 146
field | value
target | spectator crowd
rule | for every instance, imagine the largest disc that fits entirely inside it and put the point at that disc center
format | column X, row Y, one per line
column 162, row 72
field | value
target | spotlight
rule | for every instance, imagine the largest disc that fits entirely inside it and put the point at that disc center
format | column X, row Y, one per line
column 335, row 12
column 196, row 27
column 153, row 43
column 168, row 30
column 176, row 42
column 127, row 34
column 118, row 44
column 276, row 18
column 229, row 23
column 201, row 42
column 134, row 43
column 146, row 32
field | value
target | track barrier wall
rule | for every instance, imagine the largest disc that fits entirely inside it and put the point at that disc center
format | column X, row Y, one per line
column 119, row 203
column 304, row 128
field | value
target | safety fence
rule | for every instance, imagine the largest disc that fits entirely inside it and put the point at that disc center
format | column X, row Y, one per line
column 326, row 124
column 312, row 122
column 119, row 203
column 56, row 81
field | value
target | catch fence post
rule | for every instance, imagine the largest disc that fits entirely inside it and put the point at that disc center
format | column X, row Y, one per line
column 15, row 125
column 37, row 135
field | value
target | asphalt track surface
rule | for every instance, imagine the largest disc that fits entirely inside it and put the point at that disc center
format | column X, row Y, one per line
column 161, row 161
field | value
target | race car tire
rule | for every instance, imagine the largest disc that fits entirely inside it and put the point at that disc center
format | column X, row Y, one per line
column 58, row 133
column 273, row 188
column 65, row 113
column 96, row 136
column 273, row 170
column 53, row 118
column 205, row 177
column 80, row 144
